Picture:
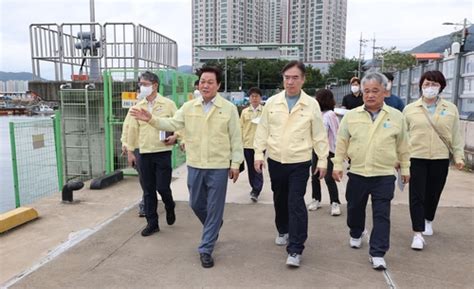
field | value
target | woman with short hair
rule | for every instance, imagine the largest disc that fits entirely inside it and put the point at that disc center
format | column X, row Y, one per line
column 433, row 127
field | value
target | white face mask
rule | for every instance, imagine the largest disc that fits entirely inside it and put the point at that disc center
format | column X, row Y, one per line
column 389, row 86
column 145, row 91
column 355, row 89
column 430, row 92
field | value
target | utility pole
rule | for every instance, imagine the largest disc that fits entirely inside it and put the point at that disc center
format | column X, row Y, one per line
column 464, row 34
column 241, row 75
column 225, row 74
column 374, row 48
column 361, row 44
column 464, row 31
column 373, row 51
column 457, row 71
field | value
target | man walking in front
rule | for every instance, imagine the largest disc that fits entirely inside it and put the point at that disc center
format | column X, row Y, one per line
column 155, row 152
column 374, row 137
column 213, row 153
column 291, row 126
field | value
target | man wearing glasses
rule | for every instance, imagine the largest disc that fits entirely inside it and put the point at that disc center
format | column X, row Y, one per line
column 290, row 127
column 155, row 152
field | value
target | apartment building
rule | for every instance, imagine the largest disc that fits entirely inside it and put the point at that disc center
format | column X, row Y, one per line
column 320, row 25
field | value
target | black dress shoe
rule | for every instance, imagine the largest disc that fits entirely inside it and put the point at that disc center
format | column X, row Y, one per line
column 149, row 230
column 170, row 216
column 206, row 260
column 141, row 214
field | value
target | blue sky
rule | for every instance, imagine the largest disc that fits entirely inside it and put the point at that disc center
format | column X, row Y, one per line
column 400, row 23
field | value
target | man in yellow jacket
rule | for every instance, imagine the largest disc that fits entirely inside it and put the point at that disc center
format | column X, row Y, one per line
column 136, row 152
column 374, row 137
column 155, row 151
column 290, row 128
column 213, row 153
column 249, row 119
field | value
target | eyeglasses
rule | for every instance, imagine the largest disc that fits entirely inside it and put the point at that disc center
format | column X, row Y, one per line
column 430, row 84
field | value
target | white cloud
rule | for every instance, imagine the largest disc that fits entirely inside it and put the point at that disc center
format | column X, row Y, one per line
column 402, row 23
column 168, row 17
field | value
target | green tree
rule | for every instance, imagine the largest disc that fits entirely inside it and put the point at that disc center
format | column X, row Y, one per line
column 391, row 59
column 262, row 73
column 342, row 70
column 314, row 80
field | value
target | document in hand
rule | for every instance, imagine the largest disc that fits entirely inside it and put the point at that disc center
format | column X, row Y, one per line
column 400, row 183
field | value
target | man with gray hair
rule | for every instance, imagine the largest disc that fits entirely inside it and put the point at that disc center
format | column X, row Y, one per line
column 374, row 137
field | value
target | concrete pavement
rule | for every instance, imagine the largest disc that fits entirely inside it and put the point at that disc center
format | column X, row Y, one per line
column 96, row 243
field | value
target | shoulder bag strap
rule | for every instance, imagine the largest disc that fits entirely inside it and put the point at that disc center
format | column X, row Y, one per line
column 445, row 141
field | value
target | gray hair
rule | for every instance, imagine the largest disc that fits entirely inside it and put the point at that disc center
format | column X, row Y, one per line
column 150, row 76
column 375, row 76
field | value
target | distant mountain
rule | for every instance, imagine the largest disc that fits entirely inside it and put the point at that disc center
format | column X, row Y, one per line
column 185, row 69
column 439, row 44
column 4, row 76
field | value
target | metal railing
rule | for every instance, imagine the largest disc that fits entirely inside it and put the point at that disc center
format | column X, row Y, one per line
column 83, row 50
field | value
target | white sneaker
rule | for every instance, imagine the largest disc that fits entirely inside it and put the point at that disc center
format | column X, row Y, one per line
column 335, row 209
column 314, row 205
column 356, row 243
column 378, row 263
column 428, row 228
column 293, row 260
column 418, row 242
column 281, row 239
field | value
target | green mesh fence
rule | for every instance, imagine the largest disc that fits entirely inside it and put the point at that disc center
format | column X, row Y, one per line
column 36, row 170
column 117, row 83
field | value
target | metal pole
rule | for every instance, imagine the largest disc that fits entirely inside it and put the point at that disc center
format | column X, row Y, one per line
column 107, row 122
column 225, row 75
column 457, row 81
column 88, row 128
column 14, row 165
column 464, row 34
column 360, row 56
column 58, row 147
column 241, row 75
column 91, row 4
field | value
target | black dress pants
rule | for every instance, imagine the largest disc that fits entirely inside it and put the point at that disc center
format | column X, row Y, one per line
column 427, row 180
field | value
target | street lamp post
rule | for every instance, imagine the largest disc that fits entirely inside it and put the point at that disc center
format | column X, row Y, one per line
column 457, row 71
column 464, row 31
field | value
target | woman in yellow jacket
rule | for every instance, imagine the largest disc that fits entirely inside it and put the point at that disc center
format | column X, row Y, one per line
column 433, row 127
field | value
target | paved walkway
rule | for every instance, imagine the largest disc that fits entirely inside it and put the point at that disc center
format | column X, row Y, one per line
column 96, row 243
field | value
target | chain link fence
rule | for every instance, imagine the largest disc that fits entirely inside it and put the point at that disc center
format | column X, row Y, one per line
column 119, row 94
column 36, row 167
